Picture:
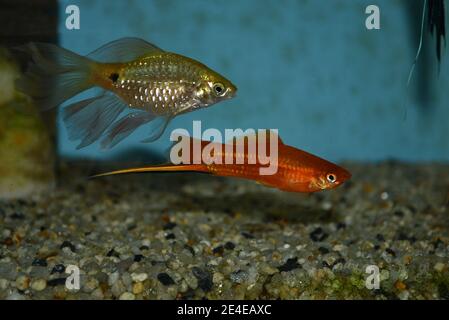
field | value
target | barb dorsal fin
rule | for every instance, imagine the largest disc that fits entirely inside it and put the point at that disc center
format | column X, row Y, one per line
column 123, row 50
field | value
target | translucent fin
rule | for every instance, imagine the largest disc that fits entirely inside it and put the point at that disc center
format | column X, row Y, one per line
column 158, row 127
column 124, row 127
column 54, row 75
column 88, row 119
column 123, row 50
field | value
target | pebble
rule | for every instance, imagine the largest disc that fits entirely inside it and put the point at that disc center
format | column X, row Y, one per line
column 22, row 282
column 8, row 270
column 39, row 262
column 139, row 277
column 165, row 279
column 229, row 246
column 204, row 278
column 69, row 245
column 113, row 277
column 118, row 288
column 318, row 235
column 127, row 296
column 59, row 268
column 38, row 284
column 138, row 287
column 289, row 265
column 217, row 277
column 97, row 294
column 90, row 284
column 3, row 284
column 439, row 266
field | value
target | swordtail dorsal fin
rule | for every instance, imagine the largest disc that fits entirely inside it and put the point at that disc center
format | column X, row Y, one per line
column 254, row 135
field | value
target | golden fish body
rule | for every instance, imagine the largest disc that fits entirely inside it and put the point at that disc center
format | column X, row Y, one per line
column 136, row 76
column 165, row 83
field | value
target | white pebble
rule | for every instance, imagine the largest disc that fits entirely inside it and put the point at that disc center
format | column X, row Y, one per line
column 139, row 277
column 127, row 296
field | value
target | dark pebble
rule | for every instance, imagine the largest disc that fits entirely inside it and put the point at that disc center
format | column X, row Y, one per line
column 390, row 251
column 443, row 291
column 318, row 235
column 138, row 257
column 341, row 225
column 142, row 248
column 113, row 253
column 165, row 279
column 39, row 262
column 327, row 265
column 289, row 265
column 229, row 245
column 56, row 282
column 169, row 226
column 247, row 235
column 323, row 250
column 437, row 243
column 170, row 236
column 339, row 260
column 218, row 250
column 186, row 246
column 59, row 268
column 156, row 262
column 17, row 216
column 68, row 244
column 404, row 237
column 399, row 213
column 204, row 278
column 189, row 294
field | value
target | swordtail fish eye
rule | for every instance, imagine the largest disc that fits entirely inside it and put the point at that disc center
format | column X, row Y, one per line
column 338, row 177
column 331, row 177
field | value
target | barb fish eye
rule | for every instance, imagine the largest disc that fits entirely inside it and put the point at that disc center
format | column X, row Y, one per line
column 219, row 89
column 331, row 178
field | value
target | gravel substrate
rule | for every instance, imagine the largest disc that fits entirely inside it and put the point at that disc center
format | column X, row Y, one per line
column 193, row 236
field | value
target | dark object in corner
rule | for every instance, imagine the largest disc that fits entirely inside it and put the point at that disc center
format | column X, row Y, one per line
column 437, row 22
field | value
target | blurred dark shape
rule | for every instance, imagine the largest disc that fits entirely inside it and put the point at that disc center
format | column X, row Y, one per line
column 437, row 22
column 25, row 20
column 423, row 72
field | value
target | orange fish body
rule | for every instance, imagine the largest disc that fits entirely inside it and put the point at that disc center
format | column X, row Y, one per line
column 297, row 170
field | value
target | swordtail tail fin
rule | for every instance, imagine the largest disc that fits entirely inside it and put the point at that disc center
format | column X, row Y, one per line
column 163, row 168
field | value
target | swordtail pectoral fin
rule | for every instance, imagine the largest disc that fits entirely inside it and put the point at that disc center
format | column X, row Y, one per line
column 245, row 138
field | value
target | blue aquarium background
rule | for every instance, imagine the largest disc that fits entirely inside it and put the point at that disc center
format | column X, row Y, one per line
column 309, row 68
